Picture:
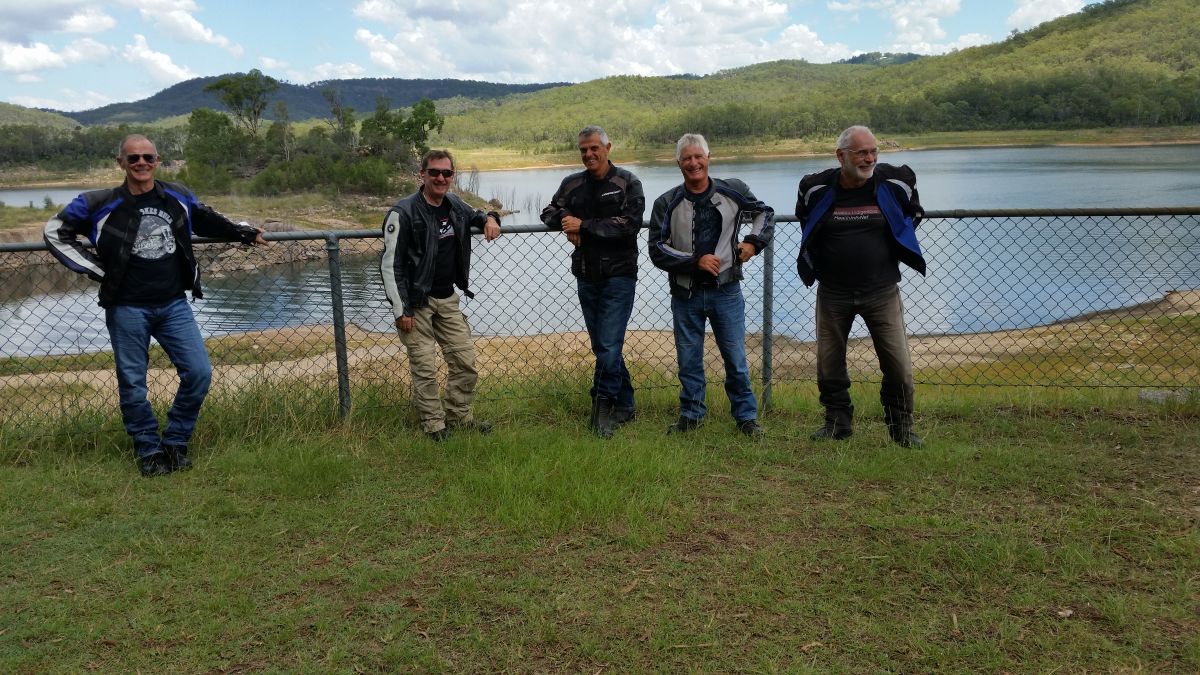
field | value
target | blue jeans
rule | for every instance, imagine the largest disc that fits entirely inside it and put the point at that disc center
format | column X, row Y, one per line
column 725, row 309
column 130, row 329
column 883, row 313
column 607, row 305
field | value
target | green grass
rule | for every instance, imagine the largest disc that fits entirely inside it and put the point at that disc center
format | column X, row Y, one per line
column 18, row 216
column 1037, row 531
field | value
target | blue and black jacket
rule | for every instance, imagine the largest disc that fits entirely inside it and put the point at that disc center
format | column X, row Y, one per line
column 109, row 219
column 896, row 195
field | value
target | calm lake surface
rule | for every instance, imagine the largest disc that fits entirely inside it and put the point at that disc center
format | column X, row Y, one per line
column 1051, row 271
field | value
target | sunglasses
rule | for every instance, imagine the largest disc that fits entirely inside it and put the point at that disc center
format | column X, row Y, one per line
column 444, row 173
column 146, row 157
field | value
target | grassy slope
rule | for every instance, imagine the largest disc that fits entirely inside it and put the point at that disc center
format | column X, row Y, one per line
column 1036, row 532
column 15, row 114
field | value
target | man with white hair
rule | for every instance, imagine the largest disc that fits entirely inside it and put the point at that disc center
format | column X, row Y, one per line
column 694, row 231
column 859, row 222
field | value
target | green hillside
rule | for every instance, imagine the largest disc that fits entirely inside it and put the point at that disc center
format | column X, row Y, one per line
column 1117, row 63
column 303, row 101
column 17, row 115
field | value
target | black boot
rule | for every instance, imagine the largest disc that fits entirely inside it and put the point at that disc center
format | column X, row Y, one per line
column 899, row 424
column 177, row 455
column 604, row 423
column 839, row 425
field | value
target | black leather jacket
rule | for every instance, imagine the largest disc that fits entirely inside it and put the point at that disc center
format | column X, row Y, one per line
column 410, row 236
column 109, row 219
column 611, row 210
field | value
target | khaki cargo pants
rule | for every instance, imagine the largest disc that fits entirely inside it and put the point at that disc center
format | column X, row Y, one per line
column 442, row 324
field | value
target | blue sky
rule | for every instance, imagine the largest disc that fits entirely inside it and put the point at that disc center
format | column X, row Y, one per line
column 81, row 54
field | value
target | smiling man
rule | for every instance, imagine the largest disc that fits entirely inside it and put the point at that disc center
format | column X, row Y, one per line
column 694, row 230
column 859, row 222
column 426, row 253
column 600, row 210
column 142, row 238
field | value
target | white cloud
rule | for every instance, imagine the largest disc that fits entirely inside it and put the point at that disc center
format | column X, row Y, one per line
column 20, row 20
column 175, row 18
column 69, row 100
column 89, row 20
column 577, row 40
column 15, row 58
column 157, row 64
column 336, row 71
column 917, row 24
column 1030, row 13
column 28, row 78
column 400, row 12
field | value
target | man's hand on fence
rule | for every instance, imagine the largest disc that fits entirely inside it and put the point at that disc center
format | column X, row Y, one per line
column 491, row 229
column 404, row 323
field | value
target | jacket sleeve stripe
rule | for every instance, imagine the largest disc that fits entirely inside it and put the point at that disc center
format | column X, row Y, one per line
column 387, row 266
column 68, row 250
column 903, row 186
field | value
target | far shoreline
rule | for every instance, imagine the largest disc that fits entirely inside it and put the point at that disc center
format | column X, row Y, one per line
column 503, row 159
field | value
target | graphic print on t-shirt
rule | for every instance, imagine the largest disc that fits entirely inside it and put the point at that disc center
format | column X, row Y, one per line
column 155, row 274
column 154, row 239
column 847, row 214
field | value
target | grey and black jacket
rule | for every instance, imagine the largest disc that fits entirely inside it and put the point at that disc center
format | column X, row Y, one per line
column 672, row 232
column 410, row 240
column 611, row 210
column 109, row 219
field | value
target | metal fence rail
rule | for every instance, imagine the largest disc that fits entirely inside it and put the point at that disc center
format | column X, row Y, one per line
column 1079, row 298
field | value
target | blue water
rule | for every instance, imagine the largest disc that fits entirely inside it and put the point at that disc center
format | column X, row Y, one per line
column 1033, row 272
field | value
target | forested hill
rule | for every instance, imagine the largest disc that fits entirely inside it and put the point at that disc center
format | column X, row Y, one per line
column 1116, row 63
column 303, row 101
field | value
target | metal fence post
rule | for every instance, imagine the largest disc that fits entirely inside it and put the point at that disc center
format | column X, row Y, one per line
column 339, row 323
column 768, row 321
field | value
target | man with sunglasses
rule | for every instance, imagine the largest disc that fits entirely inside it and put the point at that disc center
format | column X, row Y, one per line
column 600, row 211
column 426, row 253
column 141, row 232
column 859, row 221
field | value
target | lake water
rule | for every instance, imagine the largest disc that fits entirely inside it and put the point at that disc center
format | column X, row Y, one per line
column 1034, row 272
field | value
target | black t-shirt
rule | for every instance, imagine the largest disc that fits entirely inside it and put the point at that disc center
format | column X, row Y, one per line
column 155, row 274
column 855, row 243
column 707, row 229
column 446, row 266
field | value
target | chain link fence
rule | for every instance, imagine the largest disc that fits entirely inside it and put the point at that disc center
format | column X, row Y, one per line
column 1079, row 298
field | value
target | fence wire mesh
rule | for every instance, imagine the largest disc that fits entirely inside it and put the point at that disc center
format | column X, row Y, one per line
column 1066, row 299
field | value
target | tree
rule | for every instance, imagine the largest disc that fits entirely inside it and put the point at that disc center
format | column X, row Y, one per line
column 423, row 119
column 342, row 123
column 390, row 134
column 280, row 136
column 246, row 96
column 214, row 147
